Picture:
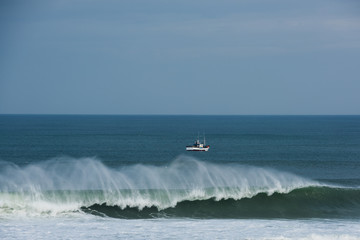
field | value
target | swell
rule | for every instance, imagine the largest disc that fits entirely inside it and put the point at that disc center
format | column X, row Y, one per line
column 310, row 202
column 186, row 187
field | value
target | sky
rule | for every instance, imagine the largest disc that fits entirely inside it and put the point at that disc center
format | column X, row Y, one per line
column 246, row 57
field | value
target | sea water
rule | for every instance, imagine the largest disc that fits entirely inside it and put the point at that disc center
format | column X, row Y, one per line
column 111, row 177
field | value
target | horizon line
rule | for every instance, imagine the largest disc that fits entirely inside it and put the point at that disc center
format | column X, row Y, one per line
column 162, row 114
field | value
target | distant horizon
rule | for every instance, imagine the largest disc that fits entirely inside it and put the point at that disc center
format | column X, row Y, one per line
column 80, row 114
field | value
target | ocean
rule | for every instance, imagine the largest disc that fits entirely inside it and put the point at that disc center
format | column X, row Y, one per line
column 129, row 177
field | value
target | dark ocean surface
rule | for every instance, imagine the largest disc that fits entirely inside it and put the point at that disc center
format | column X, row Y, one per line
column 115, row 177
column 318, row 147
column 302, row 169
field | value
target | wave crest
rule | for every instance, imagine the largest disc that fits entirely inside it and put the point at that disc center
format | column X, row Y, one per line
column 66, row 184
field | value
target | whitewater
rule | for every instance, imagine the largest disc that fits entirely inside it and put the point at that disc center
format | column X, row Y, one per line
column 109, row 228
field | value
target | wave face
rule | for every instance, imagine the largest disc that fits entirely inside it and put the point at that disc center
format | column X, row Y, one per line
column 184, row 188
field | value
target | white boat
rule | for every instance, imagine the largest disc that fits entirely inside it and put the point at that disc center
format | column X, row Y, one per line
column 198, row 146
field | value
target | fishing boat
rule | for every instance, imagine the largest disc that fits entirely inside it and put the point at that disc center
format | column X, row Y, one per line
column 198, row 146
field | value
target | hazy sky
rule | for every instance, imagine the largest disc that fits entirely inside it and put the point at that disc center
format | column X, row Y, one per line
column 180, row 56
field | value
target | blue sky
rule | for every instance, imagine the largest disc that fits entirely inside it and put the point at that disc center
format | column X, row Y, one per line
column 180, row 57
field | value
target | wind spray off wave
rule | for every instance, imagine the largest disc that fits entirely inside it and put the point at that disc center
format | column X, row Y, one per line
column 72, row 185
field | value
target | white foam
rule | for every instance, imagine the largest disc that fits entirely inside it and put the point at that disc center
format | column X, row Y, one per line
column 106, row 228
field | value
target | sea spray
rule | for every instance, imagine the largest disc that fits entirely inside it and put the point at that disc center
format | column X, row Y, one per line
column 67, row 184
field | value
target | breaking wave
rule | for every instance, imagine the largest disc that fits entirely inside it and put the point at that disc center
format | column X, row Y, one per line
column 186, row 187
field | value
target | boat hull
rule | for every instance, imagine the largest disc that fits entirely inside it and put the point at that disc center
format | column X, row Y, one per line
column 197, row 149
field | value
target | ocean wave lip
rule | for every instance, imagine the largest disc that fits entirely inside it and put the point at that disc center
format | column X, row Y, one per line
column 186, row 187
